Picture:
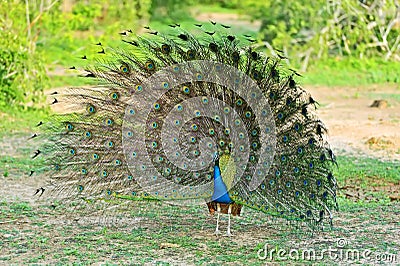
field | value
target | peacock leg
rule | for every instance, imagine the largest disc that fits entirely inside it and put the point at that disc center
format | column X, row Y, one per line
column 218, row 211
column 228, row 232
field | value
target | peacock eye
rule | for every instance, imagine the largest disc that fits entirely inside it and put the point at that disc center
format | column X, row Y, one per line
column 191, row 54
column 150, row 65
column 91, row 109
column 124, row 68
column 114, row 95
column 165, row 49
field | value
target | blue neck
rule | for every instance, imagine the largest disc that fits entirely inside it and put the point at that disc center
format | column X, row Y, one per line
column 220, row 194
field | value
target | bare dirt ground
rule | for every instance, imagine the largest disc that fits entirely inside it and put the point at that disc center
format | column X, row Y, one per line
column 357, row 128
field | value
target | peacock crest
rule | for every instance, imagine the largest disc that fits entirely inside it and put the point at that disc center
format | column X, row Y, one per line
column 193, row 118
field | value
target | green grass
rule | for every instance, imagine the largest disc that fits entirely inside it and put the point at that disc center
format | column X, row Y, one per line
column 349, row 72
column 367, row 169
column 184, row 233
column 16, row 121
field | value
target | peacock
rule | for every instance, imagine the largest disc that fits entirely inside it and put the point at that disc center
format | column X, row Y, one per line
column 192, row 117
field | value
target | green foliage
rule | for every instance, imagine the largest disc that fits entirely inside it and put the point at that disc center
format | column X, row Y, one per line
column 22, row 72
column 311, row 30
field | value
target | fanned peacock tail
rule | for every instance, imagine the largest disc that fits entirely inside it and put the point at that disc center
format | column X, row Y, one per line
column 166, row 104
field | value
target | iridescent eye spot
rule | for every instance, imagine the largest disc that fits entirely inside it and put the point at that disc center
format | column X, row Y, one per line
column 264, row 112
column 109, row 122
column 248, row 114
column 150, row 65
column 288, row 184
column 176, row 68
column 211, row 131
column 221, row 143
column 154, row 125
column 118, row 162
column 114, row 96
column 311, row 165
column 132, row 112
column 177, row 122
column 72, row 151
column 241, row 135
column 179, row 107
column 195, row 127
column 254, row 132
column 239, row 102
column 165, row 85
column 91, row 109
column 297, row 193
column 271, row 182
column 157, row 106
column 95, row 156
column 205, row 100
column 305, row 182
column 104, row 173
column 80, row 188
column 319, row 183
column 285, row 138
column 154, row 144
column 300, row 150
column 241, row 148
column 227, row 110
column 134, row 154
column 130, row 177
column 227, row 131
column 139, row 88
column 124, row 68
column 280, row 116
column 279, row 191
column 186, row 90
column 69, row 127
column 296, row 170
column 192, row 139
column 88, row 134
column 110, row 144
column 217, row 118
column 165, row 49
column 191, row 54
column 237, row 122
column 84, row 171
column 197, row 113
column 129, row 134
column 297, row 127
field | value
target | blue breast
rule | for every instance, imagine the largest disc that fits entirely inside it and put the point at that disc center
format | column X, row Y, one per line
column 220, row 194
